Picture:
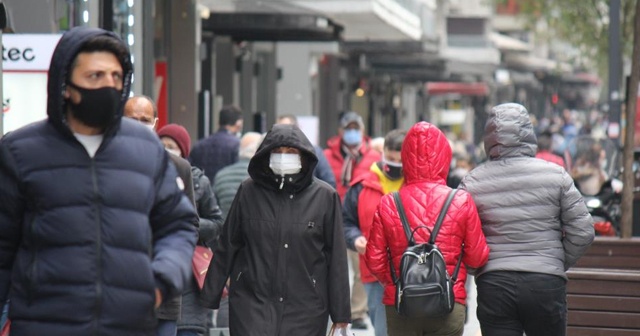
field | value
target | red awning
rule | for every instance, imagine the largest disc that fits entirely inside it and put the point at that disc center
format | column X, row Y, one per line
column 465, row 89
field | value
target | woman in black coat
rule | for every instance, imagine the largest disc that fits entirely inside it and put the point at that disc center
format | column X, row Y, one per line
column 282, row 246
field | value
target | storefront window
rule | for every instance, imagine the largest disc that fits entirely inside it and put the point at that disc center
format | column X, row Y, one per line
column 123, row 20
column 72, row 13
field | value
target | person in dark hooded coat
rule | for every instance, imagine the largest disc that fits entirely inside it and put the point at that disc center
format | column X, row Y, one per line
column 282, row 246
column 94, row 229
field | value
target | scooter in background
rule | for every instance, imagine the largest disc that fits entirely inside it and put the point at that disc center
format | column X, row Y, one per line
column 605, row 209
column 594, row 164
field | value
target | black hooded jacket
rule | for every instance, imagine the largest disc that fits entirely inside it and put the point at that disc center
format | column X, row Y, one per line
column 85, row 241
column 283, row 248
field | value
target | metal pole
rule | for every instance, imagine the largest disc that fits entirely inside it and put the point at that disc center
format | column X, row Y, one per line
column 615, row 60
column 106, row 14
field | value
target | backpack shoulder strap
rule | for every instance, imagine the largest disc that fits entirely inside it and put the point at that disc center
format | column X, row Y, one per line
column 443, row 212
column 403, row 218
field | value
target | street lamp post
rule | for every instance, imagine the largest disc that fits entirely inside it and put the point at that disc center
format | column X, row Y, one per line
column 615, row 59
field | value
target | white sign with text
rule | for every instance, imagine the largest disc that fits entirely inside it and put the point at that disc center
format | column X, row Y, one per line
column 28, row 52
column 25, row 62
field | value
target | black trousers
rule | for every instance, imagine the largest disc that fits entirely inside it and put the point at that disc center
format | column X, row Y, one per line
column 510, row 303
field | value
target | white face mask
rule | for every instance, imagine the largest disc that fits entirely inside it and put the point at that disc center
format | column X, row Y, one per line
column 285, row 164
column 152, row 127
column 175, row 152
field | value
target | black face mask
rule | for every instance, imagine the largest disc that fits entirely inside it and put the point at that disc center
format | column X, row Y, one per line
column 392, row 172
column 97, row 107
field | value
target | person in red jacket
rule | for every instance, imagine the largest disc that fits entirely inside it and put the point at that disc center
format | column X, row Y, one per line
column 426, row 156
column 350, row 155
column 358, row 208
column 544, row 150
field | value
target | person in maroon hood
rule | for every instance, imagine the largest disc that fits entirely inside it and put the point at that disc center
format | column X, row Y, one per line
column 426, row 155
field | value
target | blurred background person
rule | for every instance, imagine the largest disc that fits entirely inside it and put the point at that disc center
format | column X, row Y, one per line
column 350, row 155
column 144, row 110
column 544, row 150
column 229, row 178
column 378, row 144
column 221, row 148
column 193, row 319
column 461, row 165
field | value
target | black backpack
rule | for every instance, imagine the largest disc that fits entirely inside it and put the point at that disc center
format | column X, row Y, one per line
column 424, row 288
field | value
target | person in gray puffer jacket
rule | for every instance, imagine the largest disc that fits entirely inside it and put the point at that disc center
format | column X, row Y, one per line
column 536, row 224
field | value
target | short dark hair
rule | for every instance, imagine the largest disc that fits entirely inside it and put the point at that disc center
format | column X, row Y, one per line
column 229, row 115
column 544, row 141
column 103, row 43
column 393, row 140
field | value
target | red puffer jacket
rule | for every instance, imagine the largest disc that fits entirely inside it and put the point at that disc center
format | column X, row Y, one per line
column 426, row 156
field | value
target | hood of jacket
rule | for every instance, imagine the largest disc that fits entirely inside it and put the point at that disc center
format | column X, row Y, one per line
column 63, row 56
column 426, row 154
column 283, row 136
column 509, row 133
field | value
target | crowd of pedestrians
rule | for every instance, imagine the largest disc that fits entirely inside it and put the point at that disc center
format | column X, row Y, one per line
column 100, row 213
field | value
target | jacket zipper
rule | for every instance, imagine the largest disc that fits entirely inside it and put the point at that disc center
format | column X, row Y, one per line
column 34, row 265
column 274, row 284
column 94, row 179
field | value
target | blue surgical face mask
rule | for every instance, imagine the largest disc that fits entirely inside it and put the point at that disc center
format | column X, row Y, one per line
column 352, row 137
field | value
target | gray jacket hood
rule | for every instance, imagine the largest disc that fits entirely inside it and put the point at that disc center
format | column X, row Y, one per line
column 509, row 133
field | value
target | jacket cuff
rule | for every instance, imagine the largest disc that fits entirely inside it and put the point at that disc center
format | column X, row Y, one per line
column 345, row 319
column 351, row 244
column 164, row 290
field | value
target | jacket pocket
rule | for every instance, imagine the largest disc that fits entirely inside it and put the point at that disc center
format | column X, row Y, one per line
column 236, row 281
column 318, row 291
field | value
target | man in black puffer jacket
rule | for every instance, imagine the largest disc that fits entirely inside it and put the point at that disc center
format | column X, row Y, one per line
column 94, row 229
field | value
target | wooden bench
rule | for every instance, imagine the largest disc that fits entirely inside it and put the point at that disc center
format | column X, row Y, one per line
column 603, row 293
column 612, row 253
column 603, row 302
